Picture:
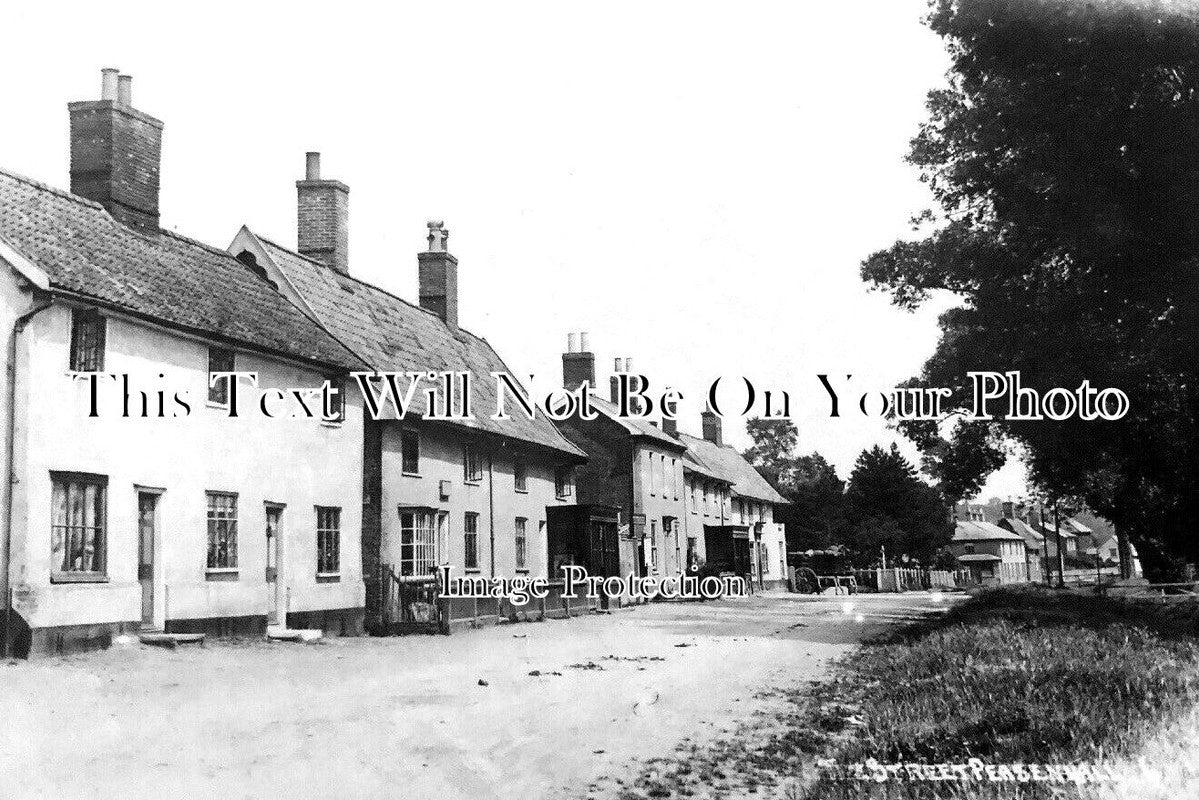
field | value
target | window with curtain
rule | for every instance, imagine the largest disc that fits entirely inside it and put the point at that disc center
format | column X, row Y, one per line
column 77, row 539
column 522, row 543
column 222, row 530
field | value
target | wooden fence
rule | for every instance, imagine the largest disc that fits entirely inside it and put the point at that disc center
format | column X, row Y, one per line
column 907, row 579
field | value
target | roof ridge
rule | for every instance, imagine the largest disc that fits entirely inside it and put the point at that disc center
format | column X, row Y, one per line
column 356, row 279
column 45, row 187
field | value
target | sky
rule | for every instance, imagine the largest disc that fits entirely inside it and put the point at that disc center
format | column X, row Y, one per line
column 692, row 184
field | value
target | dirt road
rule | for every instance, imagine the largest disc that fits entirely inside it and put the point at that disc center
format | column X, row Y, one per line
column 513, row 711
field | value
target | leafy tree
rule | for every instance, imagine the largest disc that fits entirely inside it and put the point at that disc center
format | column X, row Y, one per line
column 773, row 451
column 1064, row 157
column 814, row 516
column 888, row 505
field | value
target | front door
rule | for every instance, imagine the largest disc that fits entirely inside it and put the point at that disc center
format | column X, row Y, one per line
column 147, row 508
column 276, row 613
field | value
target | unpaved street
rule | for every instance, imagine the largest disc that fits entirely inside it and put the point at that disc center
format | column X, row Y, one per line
column 408, row 717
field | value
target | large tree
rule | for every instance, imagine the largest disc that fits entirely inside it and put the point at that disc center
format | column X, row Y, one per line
column 889, row 506
column 814, row 516
column 1064, row 157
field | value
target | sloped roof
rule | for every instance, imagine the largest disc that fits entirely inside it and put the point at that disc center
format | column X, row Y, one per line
column 1075, row 526
column 727, row 464
column 1026, row 532
column 636, row 426
column 968, row 531
column 393, row 335
column 164, row 277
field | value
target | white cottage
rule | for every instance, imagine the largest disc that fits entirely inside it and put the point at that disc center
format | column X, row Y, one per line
column 142, row 502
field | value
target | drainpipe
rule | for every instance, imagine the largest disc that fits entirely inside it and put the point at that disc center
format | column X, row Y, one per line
column 491, row 505
column 9, row 450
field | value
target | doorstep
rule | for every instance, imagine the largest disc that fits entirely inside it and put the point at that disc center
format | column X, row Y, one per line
column 278, row 633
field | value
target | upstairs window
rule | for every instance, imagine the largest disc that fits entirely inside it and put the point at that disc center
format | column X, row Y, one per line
column 409, row 452
column 563, row 482
column 87, row 340
column 520, row 476
column 472, row 464
column 219, row 360
column 77, row 533
column 337, row 398
column 328, row 540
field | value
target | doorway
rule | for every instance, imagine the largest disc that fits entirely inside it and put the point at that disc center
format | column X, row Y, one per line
column 276, row 610
column 147, row 528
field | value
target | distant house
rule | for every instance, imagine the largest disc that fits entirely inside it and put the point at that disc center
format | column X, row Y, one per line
column 682, row 500
column 749, row 504
column 1034, row 546
column 1101, row 541
column 994, row 555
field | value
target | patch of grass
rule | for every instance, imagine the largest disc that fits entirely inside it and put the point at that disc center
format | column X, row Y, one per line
column 1026, row 677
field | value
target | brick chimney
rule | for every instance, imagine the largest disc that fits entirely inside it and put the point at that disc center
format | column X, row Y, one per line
column 613, row 387
column 670, row 426
column 439, row 275
column 323, row 217
column 116, row 153
column 1009, row 509
column 578, row 365
column 713, row 428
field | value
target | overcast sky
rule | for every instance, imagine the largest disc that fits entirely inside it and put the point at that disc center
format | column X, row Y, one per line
column 693, row 184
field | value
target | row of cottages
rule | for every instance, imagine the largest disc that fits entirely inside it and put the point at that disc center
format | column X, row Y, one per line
column 691, row 500
column 476, row 494
column 178, row 507
column 162, row 510
column 1082, row 534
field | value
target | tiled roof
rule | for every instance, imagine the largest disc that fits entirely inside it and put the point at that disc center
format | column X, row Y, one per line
column 634, row 425
column 726, row 463
column 393, row 335
column 164, row 277
column 968, row 531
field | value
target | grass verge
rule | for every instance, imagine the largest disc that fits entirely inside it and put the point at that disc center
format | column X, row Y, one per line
column 1010, row 677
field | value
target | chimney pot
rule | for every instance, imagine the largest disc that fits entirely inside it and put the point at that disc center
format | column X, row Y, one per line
column 108, row 83
column 312, row 167
column 439, row 237
column 583, row 348
column 570, row 342
column 618, row 366
column 125, row 90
